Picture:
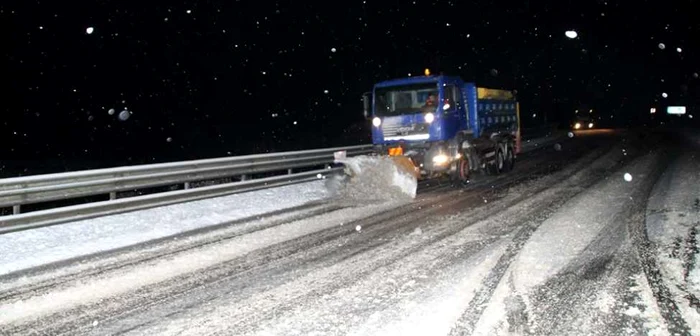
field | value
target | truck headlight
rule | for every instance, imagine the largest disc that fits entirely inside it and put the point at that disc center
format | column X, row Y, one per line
column 429, row 118
column 577, row 125
column 590, row 125
column 440, row 159
column 376, row 121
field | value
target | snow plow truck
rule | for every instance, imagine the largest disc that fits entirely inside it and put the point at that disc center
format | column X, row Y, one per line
column 441, row 125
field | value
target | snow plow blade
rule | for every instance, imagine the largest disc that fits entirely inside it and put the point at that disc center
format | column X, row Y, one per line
column 406, row 165
column 380, row 176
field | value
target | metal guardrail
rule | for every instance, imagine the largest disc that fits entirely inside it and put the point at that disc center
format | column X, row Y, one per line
column 18, row 191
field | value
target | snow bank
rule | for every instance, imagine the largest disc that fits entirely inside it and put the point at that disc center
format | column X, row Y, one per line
column 373, row 178
column 26, row 249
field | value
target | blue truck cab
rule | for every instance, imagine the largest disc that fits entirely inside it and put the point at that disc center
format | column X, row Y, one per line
column 444, row 124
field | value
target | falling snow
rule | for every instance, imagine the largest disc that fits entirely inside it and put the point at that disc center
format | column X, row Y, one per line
column 124, row 115
column 174, row 64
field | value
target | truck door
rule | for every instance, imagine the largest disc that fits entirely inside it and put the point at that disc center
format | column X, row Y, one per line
column 452, row 112
column 462, row 108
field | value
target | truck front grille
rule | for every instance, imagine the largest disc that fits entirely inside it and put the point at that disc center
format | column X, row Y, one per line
column 392, row 130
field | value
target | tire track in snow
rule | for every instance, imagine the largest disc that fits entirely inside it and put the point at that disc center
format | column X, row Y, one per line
column 562, row 303
column 469, row 319
column 662, row 294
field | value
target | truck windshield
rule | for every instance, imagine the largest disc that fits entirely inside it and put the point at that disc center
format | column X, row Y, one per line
column 405, row 99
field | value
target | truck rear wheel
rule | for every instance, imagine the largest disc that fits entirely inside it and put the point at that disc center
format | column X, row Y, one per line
column 509, row 163
column 497, row 166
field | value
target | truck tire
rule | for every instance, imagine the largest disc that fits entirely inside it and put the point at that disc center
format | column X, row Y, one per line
column 461, row 171
column 498, row 166
column 509, row 162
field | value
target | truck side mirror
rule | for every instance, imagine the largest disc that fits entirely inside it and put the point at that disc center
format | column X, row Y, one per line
column 367, row 103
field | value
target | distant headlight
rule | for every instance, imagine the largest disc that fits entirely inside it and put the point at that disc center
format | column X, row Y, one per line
column 440, row 159
column 590, row 125
column 376, row 121
column 577, row 125
column 429, row 118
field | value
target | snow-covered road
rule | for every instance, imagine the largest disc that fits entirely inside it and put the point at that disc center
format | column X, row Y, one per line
column 562, row 245
column 23, row 250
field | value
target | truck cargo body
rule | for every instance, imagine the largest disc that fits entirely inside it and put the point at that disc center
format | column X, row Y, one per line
column 466, row 128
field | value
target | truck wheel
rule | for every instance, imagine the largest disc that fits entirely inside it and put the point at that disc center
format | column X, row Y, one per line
column 498, row 166
column 509, row 159
column 461, row 171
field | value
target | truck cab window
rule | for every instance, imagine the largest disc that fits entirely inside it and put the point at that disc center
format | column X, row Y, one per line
column 405, row 99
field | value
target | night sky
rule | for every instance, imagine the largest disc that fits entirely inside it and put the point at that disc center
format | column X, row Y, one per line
column 205, row 79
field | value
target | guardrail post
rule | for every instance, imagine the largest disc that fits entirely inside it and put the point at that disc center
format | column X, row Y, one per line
column 16, row 209
column 187, row 185
column 244, row 178
column 290, row 171
column 112, row 195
